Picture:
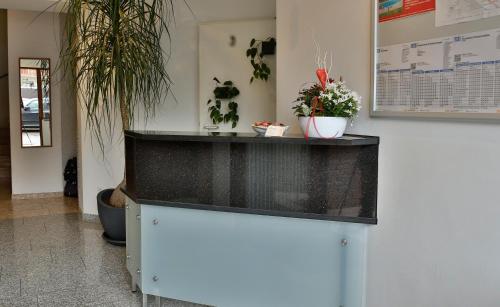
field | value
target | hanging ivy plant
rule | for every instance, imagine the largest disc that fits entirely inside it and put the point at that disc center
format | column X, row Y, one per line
column 257, row 51
column 224, row 92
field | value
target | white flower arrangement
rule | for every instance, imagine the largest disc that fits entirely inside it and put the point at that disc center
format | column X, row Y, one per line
column 327, row 97
column 335, row 100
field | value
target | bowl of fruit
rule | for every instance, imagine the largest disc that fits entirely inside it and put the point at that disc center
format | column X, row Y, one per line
column 261, row 127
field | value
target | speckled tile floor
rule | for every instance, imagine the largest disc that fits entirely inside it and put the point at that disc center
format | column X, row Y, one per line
column 54, row 258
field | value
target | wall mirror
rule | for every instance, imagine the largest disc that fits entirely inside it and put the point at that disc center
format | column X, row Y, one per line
column 436, row 59
column 36, row 115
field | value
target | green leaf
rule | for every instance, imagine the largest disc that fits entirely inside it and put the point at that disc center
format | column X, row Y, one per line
column 122, row 63
column 225, row 92
column 252, row 42
column 209, row 102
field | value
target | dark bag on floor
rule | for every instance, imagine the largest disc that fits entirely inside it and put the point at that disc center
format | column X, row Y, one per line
column 71, row 178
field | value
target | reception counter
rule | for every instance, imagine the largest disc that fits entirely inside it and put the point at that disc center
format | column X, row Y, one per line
column 316, row 179
column 243, row 220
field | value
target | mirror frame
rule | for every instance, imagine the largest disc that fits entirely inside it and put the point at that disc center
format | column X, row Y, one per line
column 483, row 117
column 50, row 106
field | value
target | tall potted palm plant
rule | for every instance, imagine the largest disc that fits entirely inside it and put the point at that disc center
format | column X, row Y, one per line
column 116, row 62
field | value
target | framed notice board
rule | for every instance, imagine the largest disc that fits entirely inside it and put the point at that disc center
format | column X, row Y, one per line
column 441, row 62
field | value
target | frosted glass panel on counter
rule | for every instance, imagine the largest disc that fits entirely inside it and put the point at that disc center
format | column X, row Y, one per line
column 228, row 259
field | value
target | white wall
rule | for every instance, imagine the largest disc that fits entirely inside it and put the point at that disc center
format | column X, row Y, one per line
column 97, row 170
column 257, row 100
column 182, row 114
column 34, row 170
column 438, row 239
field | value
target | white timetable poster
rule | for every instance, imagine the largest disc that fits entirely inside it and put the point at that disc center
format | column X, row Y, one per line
column 451, row 74
column 449, row 12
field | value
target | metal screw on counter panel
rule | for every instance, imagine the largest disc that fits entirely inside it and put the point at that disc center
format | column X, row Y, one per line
column 344, row 242
column 128, row 256
column 138, row 217
column 155, row 222
column 127, row 207
column 138, row 272
column 155, row 278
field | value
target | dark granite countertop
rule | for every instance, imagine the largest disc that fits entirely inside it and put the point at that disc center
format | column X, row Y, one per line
column 323, row 179
column 346, row 140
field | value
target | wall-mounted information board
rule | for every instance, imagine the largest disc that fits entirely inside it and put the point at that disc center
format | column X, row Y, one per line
column 421, row 69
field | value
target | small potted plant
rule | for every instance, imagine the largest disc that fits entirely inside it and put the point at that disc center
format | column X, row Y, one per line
column 325, row 107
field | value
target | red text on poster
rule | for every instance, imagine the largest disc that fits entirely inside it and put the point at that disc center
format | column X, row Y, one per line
column 393, row 9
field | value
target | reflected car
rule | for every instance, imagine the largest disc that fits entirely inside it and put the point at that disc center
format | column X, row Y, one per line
column 30, row 114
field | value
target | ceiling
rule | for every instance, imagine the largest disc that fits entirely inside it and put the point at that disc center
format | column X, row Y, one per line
column 28, row 5
column 208, row 9
column 211, row 10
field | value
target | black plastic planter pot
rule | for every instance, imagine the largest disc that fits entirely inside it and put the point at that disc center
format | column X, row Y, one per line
column 112, row 219
column 269, row 47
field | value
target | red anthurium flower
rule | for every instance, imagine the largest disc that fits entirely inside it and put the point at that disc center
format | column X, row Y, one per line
column 322, row 76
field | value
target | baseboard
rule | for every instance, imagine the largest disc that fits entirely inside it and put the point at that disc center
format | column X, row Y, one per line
column 37, row 195
column 90, row 218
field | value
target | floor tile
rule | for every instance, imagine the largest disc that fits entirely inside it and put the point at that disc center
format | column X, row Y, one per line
column 107, row 304
column 19, row 302
column 10, row 288
column 50, row 256
column 63, row 297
